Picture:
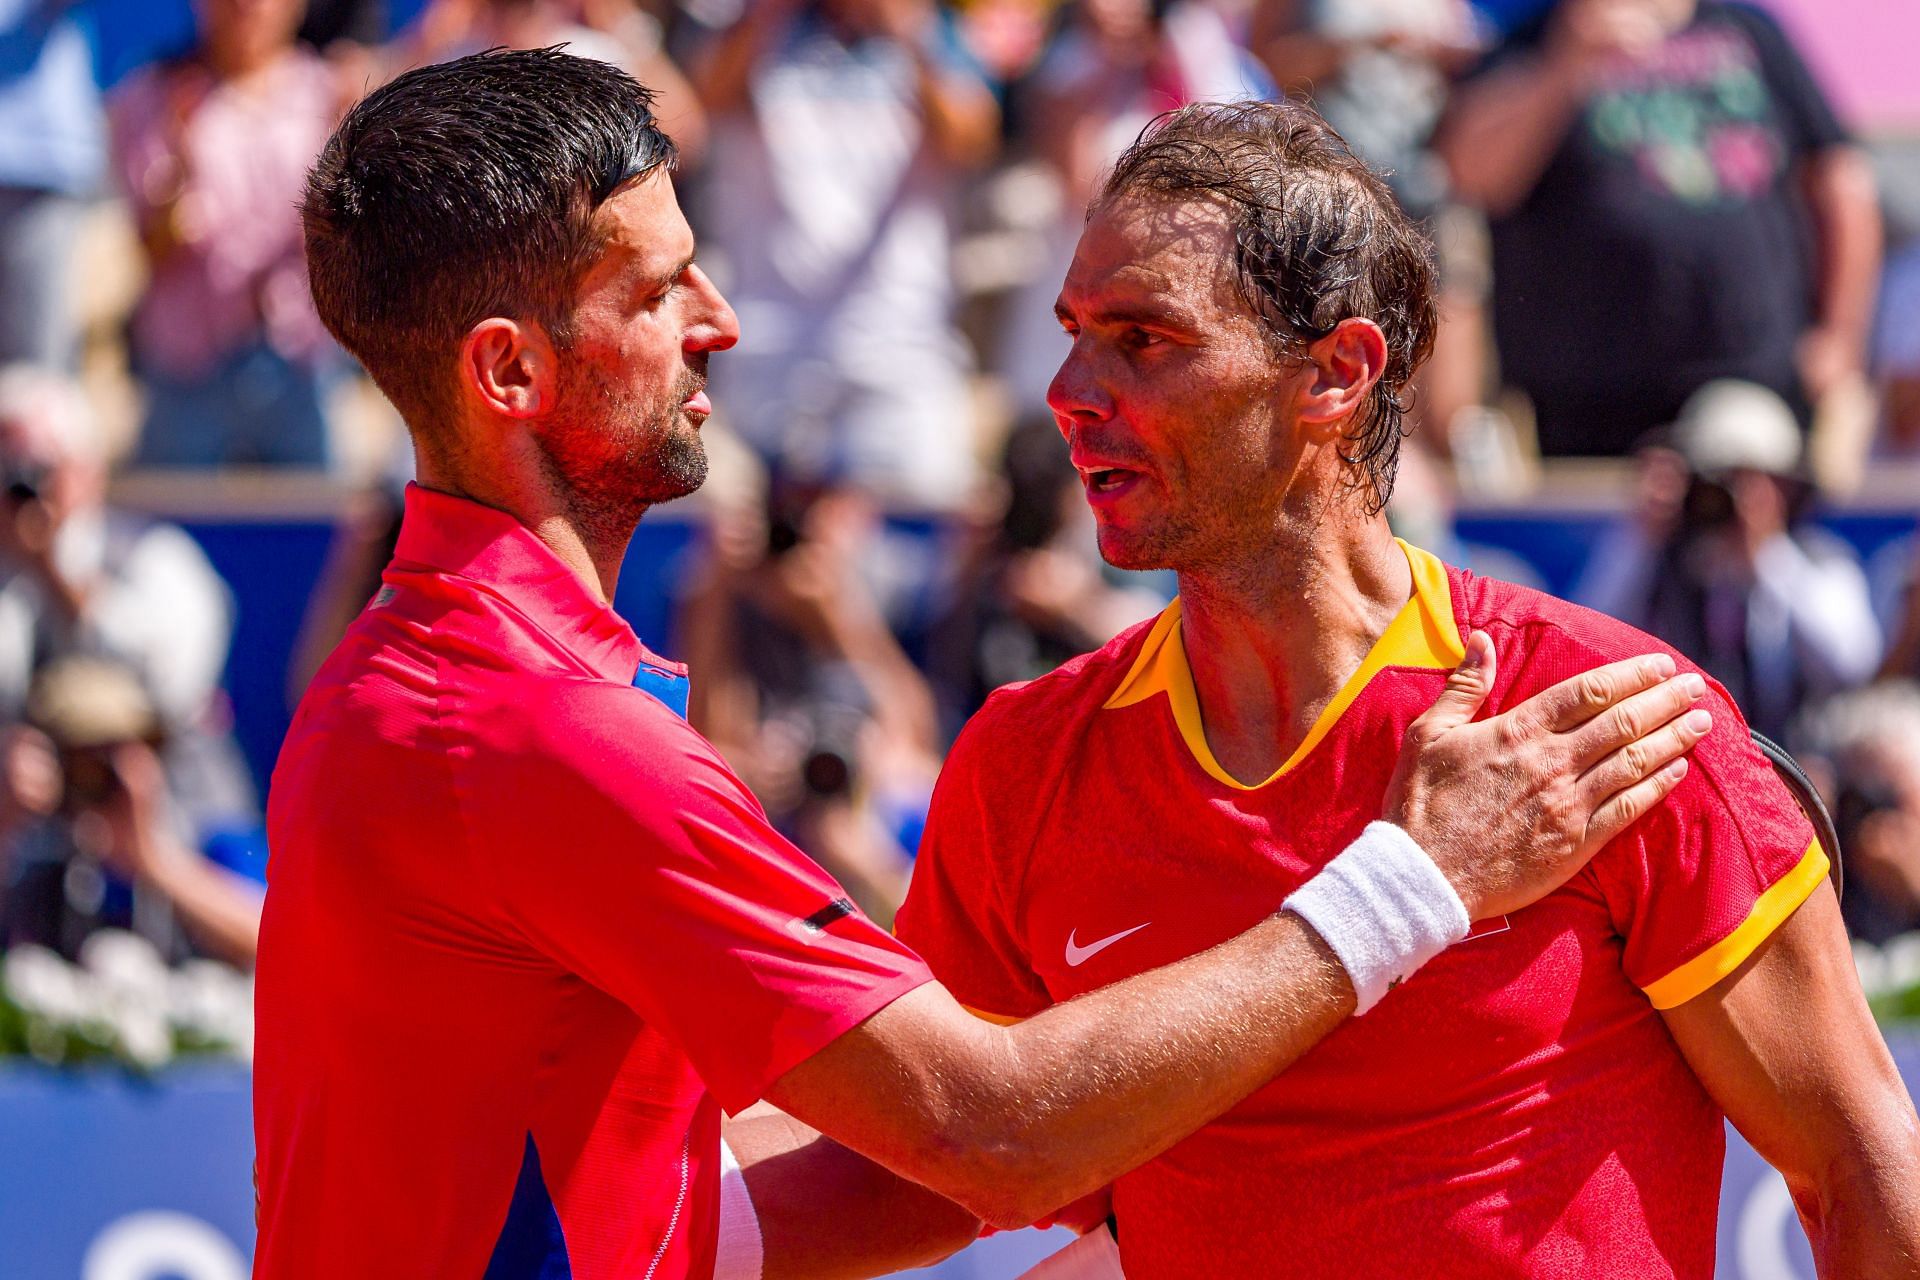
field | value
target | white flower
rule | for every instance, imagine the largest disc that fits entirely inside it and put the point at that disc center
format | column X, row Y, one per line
column 47, row 987
column 127, row 966
column 1871, row 965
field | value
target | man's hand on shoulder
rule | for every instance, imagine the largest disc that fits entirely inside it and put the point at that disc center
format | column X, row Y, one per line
column 1510, row 807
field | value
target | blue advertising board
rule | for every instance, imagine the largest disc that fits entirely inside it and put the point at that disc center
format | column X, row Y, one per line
column 107, row 1177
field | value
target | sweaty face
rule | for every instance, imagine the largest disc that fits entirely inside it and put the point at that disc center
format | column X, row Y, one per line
column 1171, row 396
column 625, row 433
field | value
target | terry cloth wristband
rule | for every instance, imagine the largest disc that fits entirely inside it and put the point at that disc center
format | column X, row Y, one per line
column 741, row 1252
column 1383, row 908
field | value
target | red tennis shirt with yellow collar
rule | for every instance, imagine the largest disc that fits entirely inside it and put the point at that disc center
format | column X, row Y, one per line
column 525, row 935
column 1517, row 1108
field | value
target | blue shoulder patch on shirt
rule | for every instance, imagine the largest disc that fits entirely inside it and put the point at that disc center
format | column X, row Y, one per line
column 664, row 685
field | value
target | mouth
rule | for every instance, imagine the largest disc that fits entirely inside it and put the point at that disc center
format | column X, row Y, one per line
column 1108, row 484
column 697, row 405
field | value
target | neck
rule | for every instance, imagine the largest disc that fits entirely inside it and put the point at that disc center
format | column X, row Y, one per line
column 1272, row 638
column 589, row 541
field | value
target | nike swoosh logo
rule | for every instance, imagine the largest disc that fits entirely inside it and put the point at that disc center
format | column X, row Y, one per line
column 1078, row 955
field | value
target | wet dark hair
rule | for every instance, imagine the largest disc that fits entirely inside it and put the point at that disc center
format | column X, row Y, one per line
column 1318, row 239
column 465, row 190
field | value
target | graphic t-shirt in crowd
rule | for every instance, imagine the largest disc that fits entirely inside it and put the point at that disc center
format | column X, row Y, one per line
column 1665, row 244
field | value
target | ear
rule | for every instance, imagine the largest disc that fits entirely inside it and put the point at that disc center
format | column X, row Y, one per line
column 509, row 367
column 1344, row 366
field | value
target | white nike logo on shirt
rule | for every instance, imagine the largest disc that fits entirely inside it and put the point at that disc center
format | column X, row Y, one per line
column 1078, row 955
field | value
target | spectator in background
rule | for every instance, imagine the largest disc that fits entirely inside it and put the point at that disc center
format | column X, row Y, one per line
column 804, row 689
column 212, row 152
column 1034, row 592
column 1896, row 355
column 89, row 838
column 1673, row 201
column 1377, row 70
column 113, row 634
column 615, row 32
column 1870, row 740
column 1720, row 566
column 52, row 155
column 844, row 129
column 1115, row 66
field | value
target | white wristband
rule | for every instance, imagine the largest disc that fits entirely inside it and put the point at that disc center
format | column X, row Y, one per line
column 742, row 1252
column 1383, row 907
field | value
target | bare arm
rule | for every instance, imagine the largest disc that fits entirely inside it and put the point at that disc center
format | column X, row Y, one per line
column 1787, row 1047
column 1501, row 130
column 1296, row 56
column 1015, row 1121
column 1845, row 208
column 962, row 119
column 723, row 72
column 827, row 1213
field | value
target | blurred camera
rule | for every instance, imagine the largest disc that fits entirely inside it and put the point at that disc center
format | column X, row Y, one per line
column 89, row 707
column 23, row 481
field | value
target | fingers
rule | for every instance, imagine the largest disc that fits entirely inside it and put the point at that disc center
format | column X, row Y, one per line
column 1466, row 690
column 1645, row 756
column 1636, row 717
column 1626, row 808
column 1576, row 700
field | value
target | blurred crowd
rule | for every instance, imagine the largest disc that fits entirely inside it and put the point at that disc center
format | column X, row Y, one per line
column 1657, row 238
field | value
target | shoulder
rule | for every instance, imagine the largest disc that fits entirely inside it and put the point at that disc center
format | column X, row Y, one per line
column 1523, row 621
column 1541, row 640
column 1044, row 715
column 591, row 726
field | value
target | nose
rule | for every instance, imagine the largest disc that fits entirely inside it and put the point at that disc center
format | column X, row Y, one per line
column 714, row 327
column 1075, row 395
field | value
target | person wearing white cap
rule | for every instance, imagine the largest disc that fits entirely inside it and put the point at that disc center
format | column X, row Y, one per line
column 1721, row 567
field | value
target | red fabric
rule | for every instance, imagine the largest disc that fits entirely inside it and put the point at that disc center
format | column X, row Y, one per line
column 1515, row 1109
column 509, row 895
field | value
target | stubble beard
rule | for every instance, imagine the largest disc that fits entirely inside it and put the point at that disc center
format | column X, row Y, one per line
column 613, row 456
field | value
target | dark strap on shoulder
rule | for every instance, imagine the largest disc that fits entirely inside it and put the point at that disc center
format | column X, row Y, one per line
column 1808, row 797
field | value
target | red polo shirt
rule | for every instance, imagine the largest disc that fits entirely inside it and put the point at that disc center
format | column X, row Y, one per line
column 525, row 935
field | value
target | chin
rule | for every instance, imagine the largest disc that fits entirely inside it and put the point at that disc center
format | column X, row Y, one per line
column 1128, row 549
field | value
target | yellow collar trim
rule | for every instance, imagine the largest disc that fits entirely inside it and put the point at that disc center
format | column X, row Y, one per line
column 1423, row 635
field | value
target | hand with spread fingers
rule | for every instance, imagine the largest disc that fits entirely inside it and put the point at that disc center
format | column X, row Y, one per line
column 1510, row 807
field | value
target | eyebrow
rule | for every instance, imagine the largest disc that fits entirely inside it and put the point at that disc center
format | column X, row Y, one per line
column 1159, row 317
column 675, row 272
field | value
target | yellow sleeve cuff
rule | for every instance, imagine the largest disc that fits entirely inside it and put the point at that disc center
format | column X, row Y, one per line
column 1723, row 957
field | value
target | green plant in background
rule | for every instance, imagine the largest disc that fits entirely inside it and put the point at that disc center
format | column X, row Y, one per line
column 1890, row 975
column 122, row 1005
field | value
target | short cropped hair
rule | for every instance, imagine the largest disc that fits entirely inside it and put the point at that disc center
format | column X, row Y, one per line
column 464, row 190
column 1318, row 239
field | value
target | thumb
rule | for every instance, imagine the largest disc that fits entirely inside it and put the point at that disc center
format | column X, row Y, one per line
column 1467, row 687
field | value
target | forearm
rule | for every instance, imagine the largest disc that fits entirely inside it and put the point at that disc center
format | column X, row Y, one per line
column 1846, row 216
column 220, row 911
column 1865, row 1219
column 724, row 74
column 1501, row 132
column 962, row 121
column 1828, row 608
column 828, row 1213
column 1024, row 1119
column 1298, row 60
